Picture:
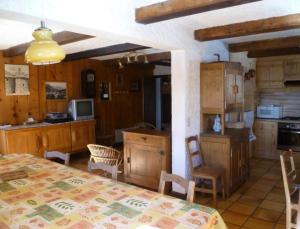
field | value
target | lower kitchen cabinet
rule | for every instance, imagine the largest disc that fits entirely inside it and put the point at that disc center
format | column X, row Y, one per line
column 35, row 140
column 230, row 152
column 266, row 139
column 146, row 154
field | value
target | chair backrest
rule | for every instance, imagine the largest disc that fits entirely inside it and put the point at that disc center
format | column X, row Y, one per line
column 104, row 154
column 111, row 169
column 195, row 156
column 145, row 125
column 288, row 175
column 189, row 186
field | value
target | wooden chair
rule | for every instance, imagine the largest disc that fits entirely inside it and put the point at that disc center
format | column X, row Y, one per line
column 289, row 177
column 145, row 125
column 189, row 186
column 105, row 158
column 56, row 154
column 199, row 171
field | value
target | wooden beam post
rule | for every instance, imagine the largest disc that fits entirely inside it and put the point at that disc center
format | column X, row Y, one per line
column 178, row 8
column 267, row 25
column 64, row 37
column 274, row 52
column 283, row 42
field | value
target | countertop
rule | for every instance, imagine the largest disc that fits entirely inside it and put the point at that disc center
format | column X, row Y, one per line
column 229, row 132
column 277, row 120
column 148, row 132
column 39, row 125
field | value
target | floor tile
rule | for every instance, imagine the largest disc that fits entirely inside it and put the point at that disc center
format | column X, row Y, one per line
column 257, row 193
column 268, row 215
column 275, row 197
column 282, row 219
column 232, row 226
column 223, row 204
column 262, row 187
column 258, row 224
column 280, row 226
column 242, row 208
column 234, row 218
column 272, row 205
column 250, row 200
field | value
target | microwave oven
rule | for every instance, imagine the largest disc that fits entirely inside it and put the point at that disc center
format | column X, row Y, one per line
column 81, row 109
column 269, row 111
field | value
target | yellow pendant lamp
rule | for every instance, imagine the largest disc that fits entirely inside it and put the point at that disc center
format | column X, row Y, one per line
column 44, row 50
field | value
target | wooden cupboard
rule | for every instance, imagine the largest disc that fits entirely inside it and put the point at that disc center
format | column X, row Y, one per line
column 82, row 133
column 266, row 139
column 146, row 154
column 269, row 74
column 222, row 90
column 35, row 140
column 292, row 69
column 230, row 152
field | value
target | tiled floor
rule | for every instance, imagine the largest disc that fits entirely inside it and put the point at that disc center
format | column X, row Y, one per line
column 258, row 204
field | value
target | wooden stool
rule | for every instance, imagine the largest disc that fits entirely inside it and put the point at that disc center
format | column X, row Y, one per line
column 56, row 154
column 201, row 171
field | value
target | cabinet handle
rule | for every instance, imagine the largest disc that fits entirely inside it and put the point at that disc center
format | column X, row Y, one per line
column 162, row 153
column 128, row 160
column 144, row 138
column 45, row 141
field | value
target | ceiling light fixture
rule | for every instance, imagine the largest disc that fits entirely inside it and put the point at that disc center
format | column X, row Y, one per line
column 129, row 60
column 44, row 50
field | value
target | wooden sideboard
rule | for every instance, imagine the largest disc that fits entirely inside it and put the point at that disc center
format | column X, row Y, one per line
column 146, row 154
column 230, row 152
column 65, row 137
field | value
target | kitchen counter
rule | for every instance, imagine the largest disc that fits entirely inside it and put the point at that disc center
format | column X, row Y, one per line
column 229, row 132
column 37, row 125
column 277, row 120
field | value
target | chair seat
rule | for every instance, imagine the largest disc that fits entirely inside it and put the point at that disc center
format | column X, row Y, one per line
column 207, row 172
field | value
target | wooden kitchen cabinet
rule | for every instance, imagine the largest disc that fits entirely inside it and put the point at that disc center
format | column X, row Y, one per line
column 82, row 134
column 68, row 137
column 269, row 74
column 24, row 141
column 222, row 91
column 146, row 154
column 292, row 69
column 230, row 152
column 266, row 139
column 57, row 138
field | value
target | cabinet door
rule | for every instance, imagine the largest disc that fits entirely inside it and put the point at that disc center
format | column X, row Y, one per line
column 24, row 141
column 230, row 88
column 239, row 81
column 266, row 139
column 292, row 69
column 235, row 165
column 82, row 134
column 57, row 138
column 270, row 75
column 143, row 164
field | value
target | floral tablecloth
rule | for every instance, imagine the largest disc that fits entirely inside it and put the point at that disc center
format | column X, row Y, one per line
column 57, row 196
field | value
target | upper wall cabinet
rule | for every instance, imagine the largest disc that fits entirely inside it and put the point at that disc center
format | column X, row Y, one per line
column 292, row 70
column 269, row 74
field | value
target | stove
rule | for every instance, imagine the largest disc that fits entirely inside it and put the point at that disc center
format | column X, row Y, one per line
column 289, row 134
column 291, row 118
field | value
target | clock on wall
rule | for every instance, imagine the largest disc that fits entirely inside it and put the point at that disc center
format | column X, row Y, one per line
column 88, row 78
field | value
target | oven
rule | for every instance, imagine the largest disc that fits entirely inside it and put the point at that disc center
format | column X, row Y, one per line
column 288, row 136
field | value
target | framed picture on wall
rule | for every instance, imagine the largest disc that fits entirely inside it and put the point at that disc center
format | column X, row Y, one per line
column 56, row 90
column 16, row 79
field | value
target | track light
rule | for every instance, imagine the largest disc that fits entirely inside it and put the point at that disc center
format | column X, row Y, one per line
column 120, row 64
column 146, row 61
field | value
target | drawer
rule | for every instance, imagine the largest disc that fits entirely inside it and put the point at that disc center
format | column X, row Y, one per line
column 144, row 139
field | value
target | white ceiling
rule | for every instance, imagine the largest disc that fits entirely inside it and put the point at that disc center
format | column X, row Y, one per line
column 18, row 32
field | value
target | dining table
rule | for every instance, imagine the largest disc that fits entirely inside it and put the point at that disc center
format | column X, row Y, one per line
column 53, row 195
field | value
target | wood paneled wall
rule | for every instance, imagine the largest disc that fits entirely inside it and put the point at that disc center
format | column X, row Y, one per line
column 123, row 110
column 289, row 100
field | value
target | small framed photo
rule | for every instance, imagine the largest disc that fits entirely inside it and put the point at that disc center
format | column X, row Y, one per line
column 56, row 90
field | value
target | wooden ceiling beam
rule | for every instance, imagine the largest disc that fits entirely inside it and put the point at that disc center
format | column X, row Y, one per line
column 113, row 49
column 283, row 42
column 267, row 25
column 274, row 52
column 178, row 8
column 62, row 38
